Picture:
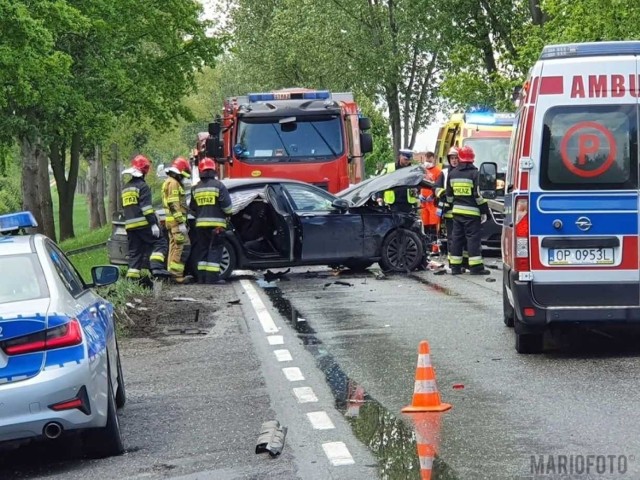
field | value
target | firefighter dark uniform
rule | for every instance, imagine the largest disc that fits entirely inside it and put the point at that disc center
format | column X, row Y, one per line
column 400, row 199
column 468, row 208
column 211, row 204
column 445, row 207
column 143, row 232
column 176, row 209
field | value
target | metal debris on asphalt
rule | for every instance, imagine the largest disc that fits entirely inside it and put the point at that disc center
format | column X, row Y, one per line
column 183, row 299
column 271, row 438
column 234, row 302
column 490, row 280
column 270, row 276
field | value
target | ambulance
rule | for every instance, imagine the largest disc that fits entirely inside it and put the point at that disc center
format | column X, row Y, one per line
column 570, row 233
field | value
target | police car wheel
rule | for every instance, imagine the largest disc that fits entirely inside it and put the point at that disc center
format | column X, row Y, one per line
column 529, row 342
column 402, row 251
column 508, row 313
column 106, row 441
column 229, row 260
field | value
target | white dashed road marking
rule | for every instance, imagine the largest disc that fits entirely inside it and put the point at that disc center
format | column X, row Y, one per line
column 320, row 420
column 275, row 339
column 338, row 453
column 293, row 374
column 268, row 325
column 305, row 395
column 283, row 355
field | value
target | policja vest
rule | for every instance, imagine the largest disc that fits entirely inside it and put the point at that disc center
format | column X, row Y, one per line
column 389, row 196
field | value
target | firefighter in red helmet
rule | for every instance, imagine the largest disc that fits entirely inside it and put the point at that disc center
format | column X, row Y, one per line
column 469, row 211
column 211, row 203
column 143, row 231
column 176, row 209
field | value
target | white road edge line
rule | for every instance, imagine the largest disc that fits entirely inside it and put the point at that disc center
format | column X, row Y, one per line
column 305, row 395
column 338, row 453
column 293, row 374
column 275, row 339
column 320, row 420
column 283, row 355
column 268, row 325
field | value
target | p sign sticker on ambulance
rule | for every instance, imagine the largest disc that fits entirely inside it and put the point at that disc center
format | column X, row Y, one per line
column 592, row 140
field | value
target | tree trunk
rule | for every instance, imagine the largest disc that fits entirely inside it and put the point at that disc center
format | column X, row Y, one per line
column 537, row 15
column 101, row 186
column 394, row 115
column 92, row 191
column 31, row 151
column 66, row 184
column 114, row 182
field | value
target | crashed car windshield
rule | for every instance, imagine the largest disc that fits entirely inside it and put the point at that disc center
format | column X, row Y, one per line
column 359, row 194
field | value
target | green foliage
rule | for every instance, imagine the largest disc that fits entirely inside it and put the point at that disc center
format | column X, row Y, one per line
column 10, row 187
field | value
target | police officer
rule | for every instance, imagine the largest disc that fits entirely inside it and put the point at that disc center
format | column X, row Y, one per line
column 400, row 199
column 175, row 207
column 211, row 203
column 143, row 232
column 469, row 211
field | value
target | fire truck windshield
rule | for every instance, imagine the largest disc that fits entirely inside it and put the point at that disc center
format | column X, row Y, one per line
column 292, row 139
column 490, row 150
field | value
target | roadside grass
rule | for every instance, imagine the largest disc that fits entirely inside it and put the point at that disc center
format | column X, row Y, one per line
column 120, row 292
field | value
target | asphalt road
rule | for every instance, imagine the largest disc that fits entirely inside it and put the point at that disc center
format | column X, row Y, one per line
column 333, row 358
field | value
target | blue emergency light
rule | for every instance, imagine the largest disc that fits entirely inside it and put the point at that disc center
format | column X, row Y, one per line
column 16, row 221
column 590, row 49
column 266, row 97
column 490, row 118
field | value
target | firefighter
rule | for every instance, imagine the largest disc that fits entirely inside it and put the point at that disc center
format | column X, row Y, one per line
column 400, row 199
column 469, row 211
column 143, row 232
column 176, row 209
column 211, row 203
column 430, row 219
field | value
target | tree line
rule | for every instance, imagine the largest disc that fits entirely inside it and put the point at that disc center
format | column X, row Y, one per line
column 98, row 80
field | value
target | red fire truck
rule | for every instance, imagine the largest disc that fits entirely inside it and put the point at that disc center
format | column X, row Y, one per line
column 310, row 135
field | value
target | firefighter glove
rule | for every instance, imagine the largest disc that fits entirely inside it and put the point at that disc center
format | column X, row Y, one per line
column 183, row 229
column 483, row 218
column 155, row 231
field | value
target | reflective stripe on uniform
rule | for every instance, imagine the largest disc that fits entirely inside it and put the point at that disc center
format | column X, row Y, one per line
column 455, row 260
column 466, row 210
column 208, row 267
column 176, row 267
column 133, row 273
column 211, row 222
column 474, row 261
column 135, row 223
column 157, row 257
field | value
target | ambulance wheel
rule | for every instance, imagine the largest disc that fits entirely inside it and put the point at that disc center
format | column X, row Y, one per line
column 529, row 342
column 229, row 260
column 402, row 251
column 508, row 313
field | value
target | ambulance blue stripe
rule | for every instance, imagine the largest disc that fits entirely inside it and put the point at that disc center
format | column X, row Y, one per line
column 588, row 203
column 602, row 223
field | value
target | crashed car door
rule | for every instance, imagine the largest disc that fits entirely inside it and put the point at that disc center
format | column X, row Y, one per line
column 327, row 233
column 283, row 234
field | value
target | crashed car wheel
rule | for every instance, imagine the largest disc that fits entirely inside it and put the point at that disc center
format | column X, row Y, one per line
column 229, row 260
column 402, row 251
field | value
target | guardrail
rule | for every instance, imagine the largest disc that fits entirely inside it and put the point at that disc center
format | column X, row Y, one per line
column 88, row 248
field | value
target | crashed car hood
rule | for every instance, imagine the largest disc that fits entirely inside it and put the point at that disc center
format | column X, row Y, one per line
column 410, row 177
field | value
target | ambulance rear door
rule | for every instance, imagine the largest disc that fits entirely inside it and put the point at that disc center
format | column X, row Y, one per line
column 584, row 184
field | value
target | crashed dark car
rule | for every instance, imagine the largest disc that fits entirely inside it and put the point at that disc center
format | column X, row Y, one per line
column 279, row 223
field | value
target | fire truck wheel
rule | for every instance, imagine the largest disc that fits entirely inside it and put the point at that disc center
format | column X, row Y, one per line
column 402, row 251
column 229, row 260
column 507, row 310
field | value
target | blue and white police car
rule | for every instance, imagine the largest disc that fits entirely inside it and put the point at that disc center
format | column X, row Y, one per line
column 60, row 367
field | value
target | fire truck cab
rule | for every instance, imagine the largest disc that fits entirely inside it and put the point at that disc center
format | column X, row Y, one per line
column 315, row 136
column 570, row 234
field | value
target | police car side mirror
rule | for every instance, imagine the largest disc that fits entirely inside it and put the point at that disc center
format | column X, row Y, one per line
column 488, row 177
column 104, row 275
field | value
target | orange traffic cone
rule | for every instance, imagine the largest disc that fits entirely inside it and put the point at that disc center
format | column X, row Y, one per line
column 435, row 248
column 425, row 393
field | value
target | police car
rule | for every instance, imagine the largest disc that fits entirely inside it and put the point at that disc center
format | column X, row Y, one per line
column 60, row 367
column 570, row 237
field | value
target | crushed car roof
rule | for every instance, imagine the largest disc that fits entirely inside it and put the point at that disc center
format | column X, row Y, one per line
column 409, row 177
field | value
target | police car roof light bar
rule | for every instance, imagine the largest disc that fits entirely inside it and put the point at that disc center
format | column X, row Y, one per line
column 590, row 49
column 16, row 221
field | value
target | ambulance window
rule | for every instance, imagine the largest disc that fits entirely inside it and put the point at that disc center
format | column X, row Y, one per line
column 590, row 147
column 511, row 172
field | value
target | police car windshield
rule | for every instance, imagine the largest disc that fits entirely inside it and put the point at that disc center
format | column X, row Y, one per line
column 491, row 150
column 299, row 139
column 22, row 278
